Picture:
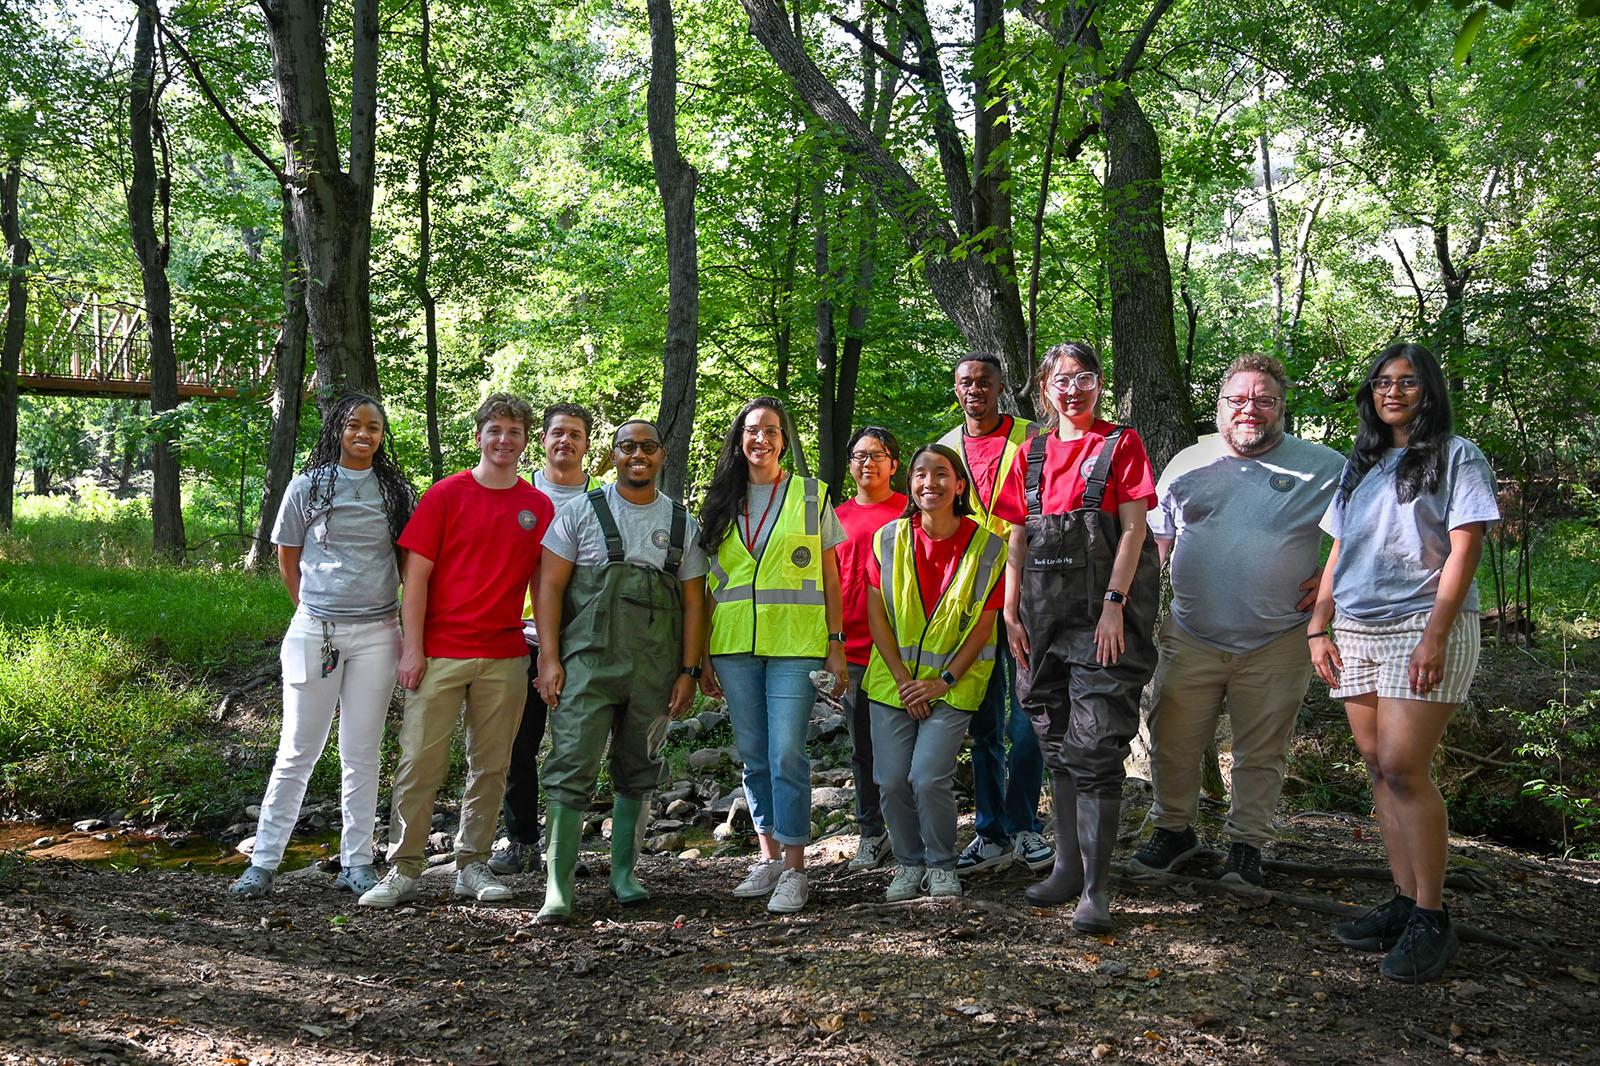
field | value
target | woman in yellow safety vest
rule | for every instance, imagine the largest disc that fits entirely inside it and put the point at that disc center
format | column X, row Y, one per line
column 777, row 616
column 936, row 585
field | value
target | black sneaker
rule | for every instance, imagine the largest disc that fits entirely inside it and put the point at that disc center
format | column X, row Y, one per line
column 1165, row 851
column 1243, row 866
column 1425, row 948
column 1379, row 929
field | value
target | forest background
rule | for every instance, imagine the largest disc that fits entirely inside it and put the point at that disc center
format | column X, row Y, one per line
column 213, row 211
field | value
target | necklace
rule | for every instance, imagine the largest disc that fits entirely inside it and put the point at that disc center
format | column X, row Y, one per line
column 750, row 539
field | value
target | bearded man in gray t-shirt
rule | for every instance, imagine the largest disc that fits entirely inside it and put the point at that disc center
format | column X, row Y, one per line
column 1238, row 517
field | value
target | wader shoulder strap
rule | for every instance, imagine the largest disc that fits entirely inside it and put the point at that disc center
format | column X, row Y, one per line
column 675, row 540
column 1095, row 490
column 608, row 525
column 1036, row 447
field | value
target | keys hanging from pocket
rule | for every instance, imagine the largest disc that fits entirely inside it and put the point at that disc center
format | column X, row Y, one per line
column 330, row 654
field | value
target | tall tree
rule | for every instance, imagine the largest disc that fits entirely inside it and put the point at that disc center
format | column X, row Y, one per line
column 148, row 189
column 430, row 306
column 676, row 180
column 18, row 250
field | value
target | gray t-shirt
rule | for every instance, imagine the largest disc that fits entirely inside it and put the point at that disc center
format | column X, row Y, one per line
column 757, row 500
column 347, row 563
column 1392, row 554
column 1244, row 535
column 576, row 535
column 560, row 495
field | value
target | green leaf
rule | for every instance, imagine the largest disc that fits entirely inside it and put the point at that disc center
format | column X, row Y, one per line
column 1469, row 33
column 1504, row 5
column 1589, row 9
column 1421, row 6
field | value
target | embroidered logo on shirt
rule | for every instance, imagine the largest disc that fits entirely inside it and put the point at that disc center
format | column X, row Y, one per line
column 1086, row 468
column 660, row 539
column 801, row 557
column 1281, row 482
column 526, row 520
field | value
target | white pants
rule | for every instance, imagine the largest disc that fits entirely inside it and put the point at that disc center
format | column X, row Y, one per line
column 361, row 685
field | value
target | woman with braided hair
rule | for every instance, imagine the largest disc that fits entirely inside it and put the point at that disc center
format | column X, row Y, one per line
column 336, row 535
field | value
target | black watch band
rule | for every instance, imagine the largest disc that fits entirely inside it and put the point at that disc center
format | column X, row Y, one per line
column 1113, row 596
column 948, row 678
column 839, row 637
column 690, row 671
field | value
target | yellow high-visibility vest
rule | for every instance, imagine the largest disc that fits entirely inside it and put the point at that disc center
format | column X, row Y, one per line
column 773, row 606
column 928, row 642
column 1021, row 431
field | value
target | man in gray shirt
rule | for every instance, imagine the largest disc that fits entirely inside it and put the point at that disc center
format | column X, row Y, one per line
column 1238, row 516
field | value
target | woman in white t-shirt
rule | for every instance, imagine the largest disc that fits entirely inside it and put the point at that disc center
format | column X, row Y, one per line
column 336, row 533
column 1407, row 523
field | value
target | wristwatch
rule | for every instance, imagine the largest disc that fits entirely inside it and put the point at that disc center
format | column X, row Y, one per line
column 690, row 671
column 948, row 678
column 1113, row 596
column 840, row 637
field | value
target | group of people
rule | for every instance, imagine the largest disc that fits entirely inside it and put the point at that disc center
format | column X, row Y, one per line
column 1009, row 595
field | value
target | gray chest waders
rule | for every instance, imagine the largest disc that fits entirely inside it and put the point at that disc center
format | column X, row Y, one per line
column 621, row 647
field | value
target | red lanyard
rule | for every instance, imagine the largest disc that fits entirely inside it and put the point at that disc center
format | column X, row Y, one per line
column 750, row 539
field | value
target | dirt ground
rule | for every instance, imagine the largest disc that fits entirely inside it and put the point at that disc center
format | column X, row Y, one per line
column 98, row 965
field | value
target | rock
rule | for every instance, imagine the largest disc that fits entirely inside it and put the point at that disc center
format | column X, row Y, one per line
column 247, row 846
column 253, row 811
column 832, row 798
column 666, row 825
column 238, row 830
column 438, row 819
column 835, row 775
column 711, row 721
column 43, row 842
column 724, row 832
column 440, row 865
column 439, row 841
column 605, row 828
column 680, row 808
column 832, row 725
column 664, row 842
column 723, row 804
column 89, row 825
column 739, row 814
column 692, row 853
column 683, row 729
column 1112, row 968
column 675, row 793
column 105, row 837
column 707, row 758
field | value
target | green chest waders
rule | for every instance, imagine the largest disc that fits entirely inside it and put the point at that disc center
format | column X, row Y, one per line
column 621, row 648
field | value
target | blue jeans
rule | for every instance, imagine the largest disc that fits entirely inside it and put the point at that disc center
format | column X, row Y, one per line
column 1007, row 803
column 769, row 705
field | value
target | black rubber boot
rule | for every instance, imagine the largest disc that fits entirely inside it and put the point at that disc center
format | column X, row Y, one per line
column 1066, row 876
column 1098, row 817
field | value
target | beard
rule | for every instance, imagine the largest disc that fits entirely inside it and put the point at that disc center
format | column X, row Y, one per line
column 1250, row 440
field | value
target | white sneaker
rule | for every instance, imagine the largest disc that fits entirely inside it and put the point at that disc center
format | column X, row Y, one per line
column 943, row 882
column 761, row 880
column 907, row 884
column 477, row 881
column 395, row 888
column 791, row 893
column 871, row 853
column 1030, row 850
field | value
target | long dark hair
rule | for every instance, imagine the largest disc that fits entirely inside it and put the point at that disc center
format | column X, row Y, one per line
column 731, row 480
column 963, row 504
column 322, row 466
column 1422, row 465
column 1081, row 352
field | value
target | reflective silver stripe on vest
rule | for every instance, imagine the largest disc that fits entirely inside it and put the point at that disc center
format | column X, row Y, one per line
column 733, row 594
column 886, row 571
column 721, row 574
column 813, row 519
column 802, row 597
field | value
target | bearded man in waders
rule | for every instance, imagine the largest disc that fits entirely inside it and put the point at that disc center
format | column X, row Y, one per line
column 620, row 614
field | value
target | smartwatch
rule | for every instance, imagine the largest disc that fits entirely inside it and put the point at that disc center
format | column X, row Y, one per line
column 840, row 637
column 948, row 678
column 1113, row 596
column 690, row 671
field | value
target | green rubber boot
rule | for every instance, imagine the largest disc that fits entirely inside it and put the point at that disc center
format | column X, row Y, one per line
column 627, row 831
column 563, row 828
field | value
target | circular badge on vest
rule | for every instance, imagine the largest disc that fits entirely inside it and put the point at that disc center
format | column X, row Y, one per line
column 1281, row 482
column 660, row 539
column 801, row 557
column 526, row 519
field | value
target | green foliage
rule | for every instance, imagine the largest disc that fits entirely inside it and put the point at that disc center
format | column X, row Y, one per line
column 1566, row 741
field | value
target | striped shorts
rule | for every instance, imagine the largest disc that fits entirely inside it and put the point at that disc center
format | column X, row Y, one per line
column 1376, row 654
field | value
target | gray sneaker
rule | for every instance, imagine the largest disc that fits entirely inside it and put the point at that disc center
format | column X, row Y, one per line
column 871, row 853
column 983, row 855
column 254, row 883
column 477, row 881
column 357, row 878
column 514, row 857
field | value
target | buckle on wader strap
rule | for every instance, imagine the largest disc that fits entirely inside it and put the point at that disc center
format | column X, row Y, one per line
column 614, row 550
column 1094, row 490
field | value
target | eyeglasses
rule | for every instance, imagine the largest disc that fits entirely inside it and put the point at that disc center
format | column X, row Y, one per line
column 1261, row 403
column 1405, row 384
column 869, row 458
column 633, row 447
column 763, row 432
column 1083, row 379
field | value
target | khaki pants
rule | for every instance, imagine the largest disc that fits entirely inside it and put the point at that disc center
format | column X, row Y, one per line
column 1262, row 690
column 494, row 691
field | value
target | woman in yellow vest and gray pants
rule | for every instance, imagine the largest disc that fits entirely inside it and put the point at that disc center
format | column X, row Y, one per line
column 935, row 588
column 776, row 615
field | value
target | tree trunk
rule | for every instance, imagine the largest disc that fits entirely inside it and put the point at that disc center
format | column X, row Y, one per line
column 676, row 180
column 288, row 383
column 430, row 316
column 332, row 206
column 991, row 190
column 18, row 251
column 1274, row 232
column 1149, row 383
column 827, row 336
column 146, row 187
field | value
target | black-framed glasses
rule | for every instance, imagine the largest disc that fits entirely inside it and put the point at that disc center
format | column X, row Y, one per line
column 763, row 432
column 1261, row 403
column 633, row 447
column 869, row 458
column 1405, row 384
column 1083, row 379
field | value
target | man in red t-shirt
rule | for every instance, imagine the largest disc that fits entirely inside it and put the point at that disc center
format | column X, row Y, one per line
column 874, row 459
column 1005, row 791
column 474, row 544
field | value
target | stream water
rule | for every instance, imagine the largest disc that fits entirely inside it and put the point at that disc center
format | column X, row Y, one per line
column 138, row 849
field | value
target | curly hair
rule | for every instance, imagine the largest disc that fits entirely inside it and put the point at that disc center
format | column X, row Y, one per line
column 1257, row 363
column 504, row 405
column 322, row 467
